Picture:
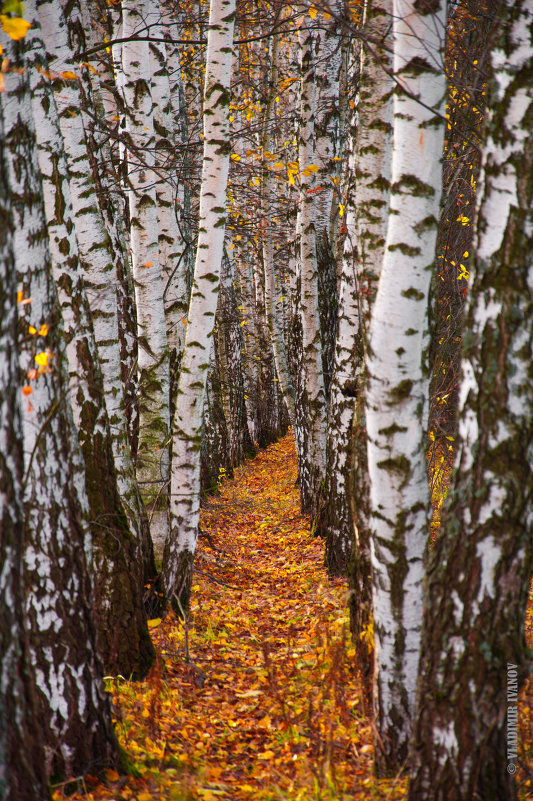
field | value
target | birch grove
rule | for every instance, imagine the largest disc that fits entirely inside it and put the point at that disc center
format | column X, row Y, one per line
column 222, row 223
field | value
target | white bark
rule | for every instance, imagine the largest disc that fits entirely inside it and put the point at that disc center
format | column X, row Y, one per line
column 482, row 563
column 57, row 537
column 397, row 392
column 153, row 354
column 311, row 339
column 100, row 258
column 185, row 481
column 276, row 334
column 172, row 246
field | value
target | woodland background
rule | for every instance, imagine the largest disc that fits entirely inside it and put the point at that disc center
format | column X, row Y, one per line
column 219, row 223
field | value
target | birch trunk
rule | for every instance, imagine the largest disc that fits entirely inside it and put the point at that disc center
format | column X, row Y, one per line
column 311, row 334
column 397, row 390
column 73, row 707
column 374, row 146
column 153, row 354
column 276, row 335
column 185, row 480
column 249, row 325
column 230, row 348
column 329, row 135
column 465, row 736
column 335, row 521
column 22, row 770
column 172, row 245
column 101, row 93
column 124, row 640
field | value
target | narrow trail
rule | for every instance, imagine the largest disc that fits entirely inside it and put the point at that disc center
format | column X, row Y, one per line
column 268, row 707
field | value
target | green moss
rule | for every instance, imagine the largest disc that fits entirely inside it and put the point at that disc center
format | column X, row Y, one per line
column 399, row 465
column 401, row 391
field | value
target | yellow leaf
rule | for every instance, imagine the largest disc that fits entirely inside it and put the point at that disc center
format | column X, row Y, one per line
column 278, row 164
column 432, row 436
column 32, row 329
column 42, row 359
column 90, row 66
column 235, row 157
column 154, row 623
column 341, row 209
column 15, row 27
column 312, row 12
column 145, row 797
column 43, row 330
column 311, row 168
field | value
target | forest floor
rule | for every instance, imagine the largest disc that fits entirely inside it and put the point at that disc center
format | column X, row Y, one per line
column 269, row 706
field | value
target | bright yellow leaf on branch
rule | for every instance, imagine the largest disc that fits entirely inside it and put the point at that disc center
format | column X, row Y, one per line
column 15, row 27
column 42, row 359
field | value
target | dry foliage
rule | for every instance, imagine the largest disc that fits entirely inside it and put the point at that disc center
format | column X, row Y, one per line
column 269, row 707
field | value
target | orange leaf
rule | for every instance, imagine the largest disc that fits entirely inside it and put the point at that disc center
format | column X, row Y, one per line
column 27, row 390
column 112, row 775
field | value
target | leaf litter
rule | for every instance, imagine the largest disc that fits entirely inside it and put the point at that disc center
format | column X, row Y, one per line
column 269, row 706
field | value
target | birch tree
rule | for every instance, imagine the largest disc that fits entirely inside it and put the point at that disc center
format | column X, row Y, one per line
column 101, row 246
column 173, row 245
column 364, row 245
column 73, row 708
column 124, row 640
column 306, row 229
column 397, row 390
column 335, row 522
column 276, row 335
column 22, row 773
column 464, row 742
column 185, row 480
column 153, row 355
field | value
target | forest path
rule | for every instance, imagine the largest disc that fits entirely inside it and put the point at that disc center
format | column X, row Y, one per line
column 269, row 707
